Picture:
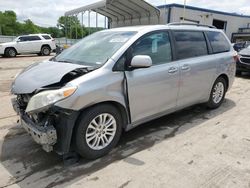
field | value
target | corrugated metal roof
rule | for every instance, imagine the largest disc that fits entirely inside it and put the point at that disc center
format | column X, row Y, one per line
column 120, row 10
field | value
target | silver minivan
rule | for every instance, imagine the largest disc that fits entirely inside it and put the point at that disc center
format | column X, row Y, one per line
column 113, row 80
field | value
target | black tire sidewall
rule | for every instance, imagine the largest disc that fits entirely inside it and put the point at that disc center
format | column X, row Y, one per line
column 8, row 52
column 86, row 117
column 211, row 104
column 42, row 50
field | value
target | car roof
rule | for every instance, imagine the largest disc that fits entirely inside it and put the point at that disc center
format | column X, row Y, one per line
column 159, row 27
column 38, row 34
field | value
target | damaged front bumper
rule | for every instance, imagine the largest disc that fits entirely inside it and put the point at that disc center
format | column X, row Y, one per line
column 45, row 136
column 55, row 133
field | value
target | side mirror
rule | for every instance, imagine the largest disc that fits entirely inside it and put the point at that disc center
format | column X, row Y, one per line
column 141, row 61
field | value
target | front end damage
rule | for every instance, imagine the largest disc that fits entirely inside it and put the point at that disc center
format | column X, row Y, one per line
column 51, row 126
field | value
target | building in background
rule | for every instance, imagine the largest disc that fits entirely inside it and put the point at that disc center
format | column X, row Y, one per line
column 236, row 26
column 121, row 13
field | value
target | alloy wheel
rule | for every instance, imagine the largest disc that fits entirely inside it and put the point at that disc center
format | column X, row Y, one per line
column 101, row 131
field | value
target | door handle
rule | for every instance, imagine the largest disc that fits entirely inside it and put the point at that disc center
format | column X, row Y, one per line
column 185, row 67
column 172, row 69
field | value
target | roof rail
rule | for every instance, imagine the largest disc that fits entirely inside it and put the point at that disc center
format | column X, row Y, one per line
column 192, row 24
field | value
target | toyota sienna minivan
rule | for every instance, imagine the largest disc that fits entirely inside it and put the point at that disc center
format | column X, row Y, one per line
column 113, row 80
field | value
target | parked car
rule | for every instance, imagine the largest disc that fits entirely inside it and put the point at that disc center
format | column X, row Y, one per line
column 241, row 45
column 41, row 44
column 243, row 63
column 117, row 79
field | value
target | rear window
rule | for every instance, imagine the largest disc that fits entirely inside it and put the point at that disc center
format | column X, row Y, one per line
column 47, row 37
column 190, row 44
column 218, row 42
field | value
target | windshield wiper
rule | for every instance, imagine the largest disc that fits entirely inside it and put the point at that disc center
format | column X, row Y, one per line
column 64, row 61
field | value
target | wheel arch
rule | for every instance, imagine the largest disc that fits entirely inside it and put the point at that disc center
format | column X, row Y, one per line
column 224, row 76
column 67, row 145
column 6, row 48
column 120, row 108
column 45, row 45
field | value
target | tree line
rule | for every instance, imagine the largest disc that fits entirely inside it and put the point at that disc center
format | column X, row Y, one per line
column 69, row 27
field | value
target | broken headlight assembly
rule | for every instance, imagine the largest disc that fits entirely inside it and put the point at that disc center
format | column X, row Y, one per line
column 44, row 99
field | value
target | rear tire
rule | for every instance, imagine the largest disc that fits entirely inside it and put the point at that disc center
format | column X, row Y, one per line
column 217, row 94
column 10, row 52
column 45, row 51
column 98, row 131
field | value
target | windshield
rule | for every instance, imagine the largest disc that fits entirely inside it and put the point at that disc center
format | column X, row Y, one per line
column 95, row 49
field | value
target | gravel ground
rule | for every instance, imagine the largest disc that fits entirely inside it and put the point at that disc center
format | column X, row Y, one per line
column 195, row 147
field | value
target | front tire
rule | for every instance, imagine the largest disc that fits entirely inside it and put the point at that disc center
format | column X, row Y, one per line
column 98, row 131
column 217, row 94
column 10, row 52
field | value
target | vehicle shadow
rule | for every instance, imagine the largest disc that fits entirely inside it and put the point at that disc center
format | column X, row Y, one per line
column 244, row 75
column 32, row 167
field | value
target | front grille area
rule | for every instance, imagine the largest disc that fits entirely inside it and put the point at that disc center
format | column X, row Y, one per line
column 245, row 60
column 22, row 100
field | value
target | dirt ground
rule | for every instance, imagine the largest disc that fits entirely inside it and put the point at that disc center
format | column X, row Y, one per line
column 195, row 147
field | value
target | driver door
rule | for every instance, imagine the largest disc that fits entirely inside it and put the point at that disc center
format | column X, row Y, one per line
column 153, row 90
column 24, row 45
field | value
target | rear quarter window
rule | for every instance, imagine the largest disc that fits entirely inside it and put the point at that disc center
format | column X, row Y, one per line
column 190, row 44
column 218, row 42
column 47, row 37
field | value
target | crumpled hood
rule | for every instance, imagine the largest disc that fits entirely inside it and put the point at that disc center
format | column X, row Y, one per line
column 245, row 51
column 40, row 75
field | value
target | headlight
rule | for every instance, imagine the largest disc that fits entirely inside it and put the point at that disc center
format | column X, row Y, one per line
column 47, row 98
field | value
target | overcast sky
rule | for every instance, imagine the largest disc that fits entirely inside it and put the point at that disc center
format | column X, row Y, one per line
column 46, row 12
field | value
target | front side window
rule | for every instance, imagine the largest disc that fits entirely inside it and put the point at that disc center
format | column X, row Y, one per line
column 190, row 44
column 156, row 45
column 95, row 49
column 218, row 42
column 23, row 39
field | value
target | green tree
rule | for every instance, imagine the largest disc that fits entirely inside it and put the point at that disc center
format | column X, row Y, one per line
column 70, row 26
column 8, row 23
column 30, row 27
column 55, row 32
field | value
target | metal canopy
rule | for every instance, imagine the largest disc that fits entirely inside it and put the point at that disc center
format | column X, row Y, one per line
column 123, row 12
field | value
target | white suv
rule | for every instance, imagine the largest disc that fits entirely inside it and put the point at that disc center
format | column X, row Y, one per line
column 41, row 44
